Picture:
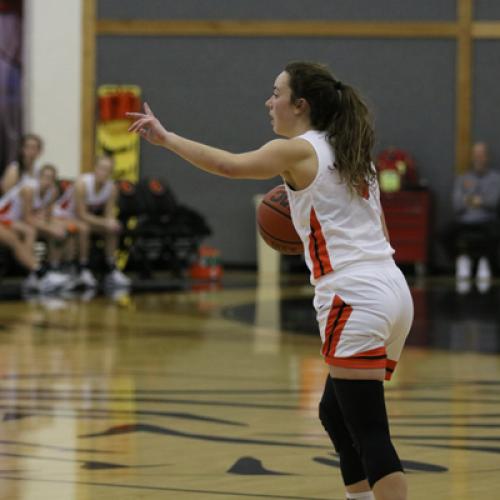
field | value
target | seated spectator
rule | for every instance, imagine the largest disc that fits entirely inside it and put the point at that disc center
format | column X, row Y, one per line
column 476, row 198
column 95, row 198
column 26, row 167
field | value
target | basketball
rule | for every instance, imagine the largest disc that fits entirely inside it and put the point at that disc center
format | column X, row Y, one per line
column 275, row 222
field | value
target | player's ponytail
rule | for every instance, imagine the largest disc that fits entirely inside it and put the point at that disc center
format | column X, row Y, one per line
column 339, row 110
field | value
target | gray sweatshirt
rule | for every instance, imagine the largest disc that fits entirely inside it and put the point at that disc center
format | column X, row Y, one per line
column 486, row 186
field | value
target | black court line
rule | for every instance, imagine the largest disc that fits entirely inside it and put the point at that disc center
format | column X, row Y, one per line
column 160, row 488
column 96, row 413
column 483, row 449
column 86, row 464
column 445, row 425
column 448, row 438
column 165, row 431
column 235, row 404
column 52, row 447
column 232, row 404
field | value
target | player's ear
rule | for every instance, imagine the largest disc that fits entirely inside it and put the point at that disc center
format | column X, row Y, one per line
column 301, row 105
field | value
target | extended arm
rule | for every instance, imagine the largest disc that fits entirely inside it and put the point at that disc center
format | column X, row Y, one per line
column 10, row 177
column 273, row 159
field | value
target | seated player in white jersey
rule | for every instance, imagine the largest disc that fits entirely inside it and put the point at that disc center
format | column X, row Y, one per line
column 95, row 199
column 40, row 195
column 27, row 164
column 16, row 213
column 76, row 249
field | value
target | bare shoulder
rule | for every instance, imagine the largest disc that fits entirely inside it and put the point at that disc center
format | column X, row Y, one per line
column 12, row 169
column 13, row 166
column 79, row 184
column 299, row 149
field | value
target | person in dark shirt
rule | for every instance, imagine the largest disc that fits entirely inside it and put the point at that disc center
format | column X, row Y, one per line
column 476, row 198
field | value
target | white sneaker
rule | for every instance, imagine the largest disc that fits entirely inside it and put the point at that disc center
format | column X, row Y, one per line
column 52, row 281
column 30, row 284
column 117, row 279
column 483, row 269
column 463, row 286
column 86, row 279
column 463, row 267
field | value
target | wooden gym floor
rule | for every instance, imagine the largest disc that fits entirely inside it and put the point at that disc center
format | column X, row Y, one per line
column 213, row 394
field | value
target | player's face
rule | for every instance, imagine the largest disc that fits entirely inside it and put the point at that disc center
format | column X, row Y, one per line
column 30, row 150
column 281, row 109
column 480, row 157
column 103, row 169
column 47, row 178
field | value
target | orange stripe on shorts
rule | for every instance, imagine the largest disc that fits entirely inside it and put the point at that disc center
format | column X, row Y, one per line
column 372, row 359
column 337, row 318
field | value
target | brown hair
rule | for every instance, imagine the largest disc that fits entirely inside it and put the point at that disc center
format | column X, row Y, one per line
column 339, row 110
column 48, row 166
column 24, row 139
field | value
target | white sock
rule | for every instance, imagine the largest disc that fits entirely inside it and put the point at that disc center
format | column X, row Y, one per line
column 366, row 495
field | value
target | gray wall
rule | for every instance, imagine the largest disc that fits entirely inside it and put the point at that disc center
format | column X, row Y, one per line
column 213, row 90
column 487, row 10
column 360, row 10
column 486, row 103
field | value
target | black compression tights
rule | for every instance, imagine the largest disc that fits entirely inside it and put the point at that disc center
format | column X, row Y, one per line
column 354, row 415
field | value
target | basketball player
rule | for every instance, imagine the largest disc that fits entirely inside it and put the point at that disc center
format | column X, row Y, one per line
column 17, row 214
column 27, row 166
column 363, row 303
column 22, row 252
column 77, row 247
column 95, row 204
column 41, row 194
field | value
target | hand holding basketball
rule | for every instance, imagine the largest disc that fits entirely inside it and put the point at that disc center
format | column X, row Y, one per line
column 148, row 126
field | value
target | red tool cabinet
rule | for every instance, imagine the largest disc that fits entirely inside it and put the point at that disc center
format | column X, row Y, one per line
column 407, row 214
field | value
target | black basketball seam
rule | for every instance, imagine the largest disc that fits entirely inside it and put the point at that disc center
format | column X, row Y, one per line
column 276, row 210
column 278, row 239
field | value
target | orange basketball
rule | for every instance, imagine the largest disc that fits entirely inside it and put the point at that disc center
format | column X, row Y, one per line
column 275, row 223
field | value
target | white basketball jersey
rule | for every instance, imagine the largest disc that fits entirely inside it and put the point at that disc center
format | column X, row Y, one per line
column 65, row 206
column 11, row 204
column 96, row 200
column 41, row 201
column 336, row 227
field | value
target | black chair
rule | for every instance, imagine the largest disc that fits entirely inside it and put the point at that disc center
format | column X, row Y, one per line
column 159, row 232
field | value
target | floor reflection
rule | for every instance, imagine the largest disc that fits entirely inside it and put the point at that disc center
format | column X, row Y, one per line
column 444, row 318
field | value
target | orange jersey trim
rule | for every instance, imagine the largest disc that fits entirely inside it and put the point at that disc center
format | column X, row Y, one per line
column 337, row 318
column 6, row 208
column 318, row 249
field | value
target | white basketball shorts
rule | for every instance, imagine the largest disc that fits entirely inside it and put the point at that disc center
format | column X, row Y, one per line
column 364, row 312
